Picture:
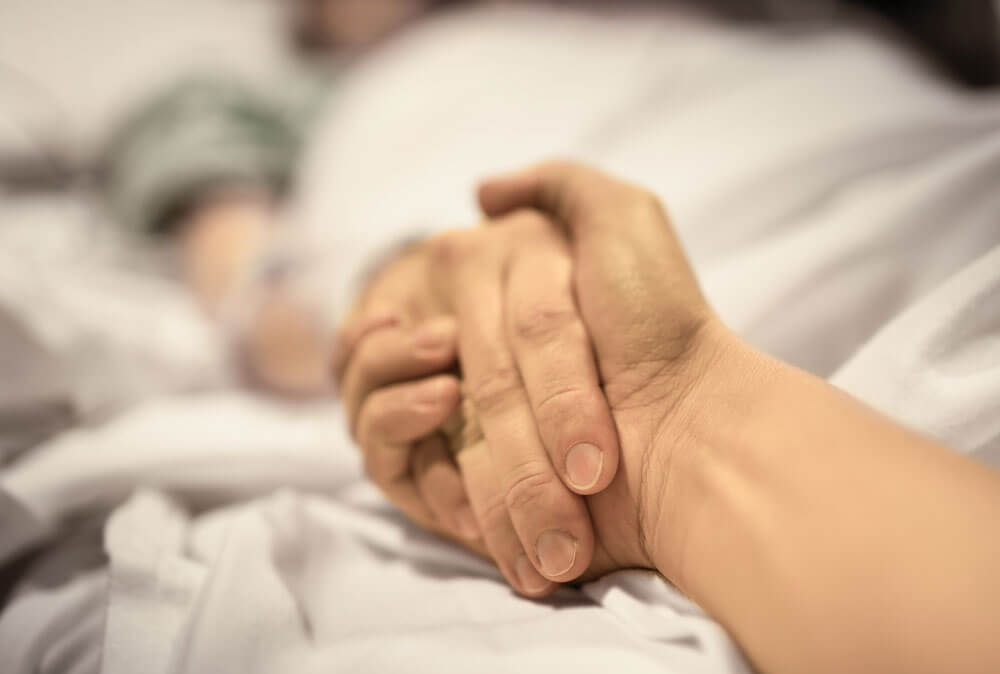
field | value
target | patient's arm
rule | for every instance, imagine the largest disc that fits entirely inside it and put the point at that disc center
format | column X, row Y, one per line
column 222, row 238
column 233, row 262
column 824, row 536
column 202, row 164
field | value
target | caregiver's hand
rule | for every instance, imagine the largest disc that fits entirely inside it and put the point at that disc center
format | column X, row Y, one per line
column 637, row 293
column 824, row 536
column 528, row 370
column 654, row 334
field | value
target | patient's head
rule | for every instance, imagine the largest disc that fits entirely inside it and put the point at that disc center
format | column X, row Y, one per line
column 353, row 24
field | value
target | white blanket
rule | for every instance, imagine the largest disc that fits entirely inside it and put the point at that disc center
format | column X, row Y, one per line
column 841, row 207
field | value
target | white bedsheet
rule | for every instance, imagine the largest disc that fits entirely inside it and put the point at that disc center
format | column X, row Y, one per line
column 840, row 204
column 124, row 329
column 69, row 70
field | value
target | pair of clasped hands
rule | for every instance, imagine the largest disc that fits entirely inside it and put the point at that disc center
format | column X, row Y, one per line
column 569, row 334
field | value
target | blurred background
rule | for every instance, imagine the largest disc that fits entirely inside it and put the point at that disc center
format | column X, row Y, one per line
column 69, row 72
column 193, row 193
column 148, row 148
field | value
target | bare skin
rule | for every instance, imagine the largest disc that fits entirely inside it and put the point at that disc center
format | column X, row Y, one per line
column 525, row 486
column 221, row 238
column 824, row 536
column 284, row 345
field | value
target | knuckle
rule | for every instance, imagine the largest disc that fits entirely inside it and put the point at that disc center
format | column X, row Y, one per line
column 647, row 201
column 542, row 320
column 566, row 402
column 526, row 219
column 494, row 514
column 452, row 247
column 497, row 390
column 530, row 483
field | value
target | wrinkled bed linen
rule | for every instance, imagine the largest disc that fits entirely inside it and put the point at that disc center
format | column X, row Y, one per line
column 35, row 395
column 109, row 313
column 840, row 206
column 341, row 582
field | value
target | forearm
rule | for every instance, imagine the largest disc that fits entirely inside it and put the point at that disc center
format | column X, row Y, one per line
column 824, row 536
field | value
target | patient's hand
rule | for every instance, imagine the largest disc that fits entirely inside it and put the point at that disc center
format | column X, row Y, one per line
column 528, row 369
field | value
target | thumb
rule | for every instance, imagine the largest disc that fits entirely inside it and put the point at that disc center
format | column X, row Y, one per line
column 573, row 193
column 597, row 212
column 636, row 290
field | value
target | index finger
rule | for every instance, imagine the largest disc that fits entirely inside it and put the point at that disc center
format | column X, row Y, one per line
column 552, row 523
column 557, row 363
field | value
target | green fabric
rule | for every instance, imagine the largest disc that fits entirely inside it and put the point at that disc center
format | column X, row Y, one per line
column 200, row 133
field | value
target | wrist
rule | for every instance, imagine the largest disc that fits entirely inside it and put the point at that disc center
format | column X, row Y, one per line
column 689, row 452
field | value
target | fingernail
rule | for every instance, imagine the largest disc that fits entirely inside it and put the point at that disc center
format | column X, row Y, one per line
column 529, row 579
column 434, row 335
column 583, row 465
column 465, row 520
column 556, row 552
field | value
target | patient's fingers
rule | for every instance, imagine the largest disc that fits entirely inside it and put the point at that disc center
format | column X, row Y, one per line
column 489, row 505
column 396, row 354
column 351, row 334
column 391, row 420
column 441, row 487
column 556, row 362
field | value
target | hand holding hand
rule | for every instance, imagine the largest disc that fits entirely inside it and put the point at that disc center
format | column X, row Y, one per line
column 528, row 370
